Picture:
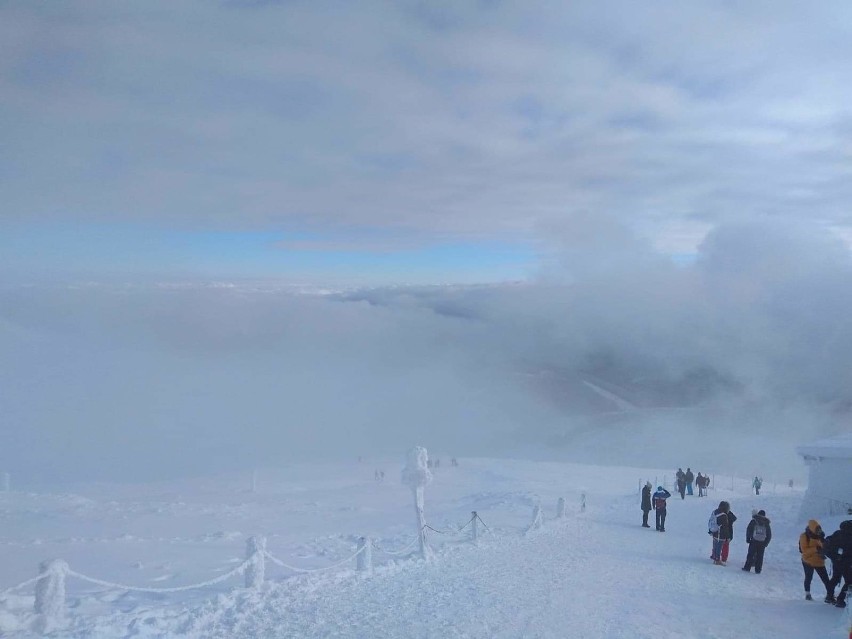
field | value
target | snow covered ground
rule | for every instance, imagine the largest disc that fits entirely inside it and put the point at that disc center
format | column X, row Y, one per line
column 593, row 574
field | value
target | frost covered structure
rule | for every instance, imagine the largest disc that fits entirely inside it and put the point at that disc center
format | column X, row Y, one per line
column 830, row 476
column 417, row 475
column 50, row 595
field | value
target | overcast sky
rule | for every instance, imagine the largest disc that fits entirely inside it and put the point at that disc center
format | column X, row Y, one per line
column 411, row 141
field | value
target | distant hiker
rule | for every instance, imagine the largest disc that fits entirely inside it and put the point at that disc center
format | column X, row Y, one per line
column 719, row 526
column 756, row 484
column 428, row 463
column 659, row 501
column 681, row 481
column 382, row 475
column 810, row 545
column 376, row 474
column 701, row 482
column 454, row 462
column 838, row 547
column 758, row 536
column 689, row 477
column 646, row 504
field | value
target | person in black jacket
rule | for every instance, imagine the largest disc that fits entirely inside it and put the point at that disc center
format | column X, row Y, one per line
column 838, row 547
column 727, row 533
column 646, row 504
column 758, row 536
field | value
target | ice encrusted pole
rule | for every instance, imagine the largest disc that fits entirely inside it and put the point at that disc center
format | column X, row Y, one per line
column 7, row 482
column 417, row 475
column 256, row 556
column 50, row 595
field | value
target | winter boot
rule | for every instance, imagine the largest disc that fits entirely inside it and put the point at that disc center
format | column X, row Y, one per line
column 829, row 599
column 808, row 596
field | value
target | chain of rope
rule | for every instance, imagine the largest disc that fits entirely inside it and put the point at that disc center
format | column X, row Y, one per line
column 278, row 562
column 402, row 551
column 23, row 584
column 108, row 584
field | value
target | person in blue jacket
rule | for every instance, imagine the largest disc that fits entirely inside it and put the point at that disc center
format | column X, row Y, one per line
column 659, row 501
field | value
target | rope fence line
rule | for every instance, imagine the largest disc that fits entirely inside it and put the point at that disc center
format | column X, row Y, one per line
column 278, row 562
column 212, row 582
column 50, row 605
column 397, row 552
column 23, row 584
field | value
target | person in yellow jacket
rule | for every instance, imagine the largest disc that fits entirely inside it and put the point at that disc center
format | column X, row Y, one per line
column 813, row 561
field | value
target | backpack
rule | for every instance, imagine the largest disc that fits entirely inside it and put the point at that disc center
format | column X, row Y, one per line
column 659, row 503
column 830, row 549
column 759, row 533
column 713, row 523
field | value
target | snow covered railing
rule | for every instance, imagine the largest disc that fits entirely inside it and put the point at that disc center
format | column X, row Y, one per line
column 50, row 606
column 49, row 603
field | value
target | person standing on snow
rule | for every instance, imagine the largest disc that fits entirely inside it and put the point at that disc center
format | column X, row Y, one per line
column 646, row 503
column 758, row 536
column 838, row 547
column 728, row 535
column 659, row 500
column 718, row 527
column 681, row 481
column 810, row 546
column 689, row 477
column 756, row 484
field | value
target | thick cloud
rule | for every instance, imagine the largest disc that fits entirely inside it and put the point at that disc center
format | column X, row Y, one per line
column 617, row 356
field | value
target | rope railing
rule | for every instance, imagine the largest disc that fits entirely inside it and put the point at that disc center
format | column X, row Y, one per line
column 204, row 584
column 402, row 551
column 49, row 584
column 23, row 584
column 282, row 564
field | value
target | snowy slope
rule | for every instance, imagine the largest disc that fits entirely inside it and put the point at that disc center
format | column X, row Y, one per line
column 594, row 574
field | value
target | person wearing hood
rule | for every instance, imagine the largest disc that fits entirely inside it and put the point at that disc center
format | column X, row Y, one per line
column 722, row 529
column 810, row 546
column 758, row 536
column 689, row 478
column 646, row 503
column 659, row 501
column 838, row 548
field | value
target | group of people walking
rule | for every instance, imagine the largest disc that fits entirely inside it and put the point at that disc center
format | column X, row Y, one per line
column 814, row 546
column 685, row 480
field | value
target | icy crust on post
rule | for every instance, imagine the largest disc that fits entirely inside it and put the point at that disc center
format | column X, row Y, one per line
column 416, row 472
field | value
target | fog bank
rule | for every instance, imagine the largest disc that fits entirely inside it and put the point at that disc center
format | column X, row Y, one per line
column 614, row 354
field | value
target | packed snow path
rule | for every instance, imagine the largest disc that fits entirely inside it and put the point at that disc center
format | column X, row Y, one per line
column 597, row 575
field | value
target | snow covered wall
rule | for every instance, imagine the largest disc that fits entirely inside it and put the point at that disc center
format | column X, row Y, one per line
column 830, row 477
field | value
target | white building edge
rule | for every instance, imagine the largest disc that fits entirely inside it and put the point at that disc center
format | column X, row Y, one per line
column 829, row 464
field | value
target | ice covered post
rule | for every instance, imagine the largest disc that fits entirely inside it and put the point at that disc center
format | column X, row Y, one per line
column 7, row 482
column 583, row 501
column 50, row 595
column 560, row 508
column 365, row 555
column 474, row 529
column 536, row 520
column 254, row 481
column 256, row 557
column 417, row 475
